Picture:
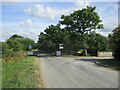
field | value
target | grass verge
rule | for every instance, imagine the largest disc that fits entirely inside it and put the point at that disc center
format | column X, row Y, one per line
column 0, row 73
column 111, row 63
column 22, row 73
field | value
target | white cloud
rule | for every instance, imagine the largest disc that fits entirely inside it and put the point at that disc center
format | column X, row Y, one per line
column 109, row 17
column 42, row 12
column 26, row 23
column 31, row 29
column 81, row 4
column 7, row 32
column 34, row 30
column 22, row 32
column 28, row 30
column 25, row 30
column 100, row 10
column 29, row 33
column 109, row 25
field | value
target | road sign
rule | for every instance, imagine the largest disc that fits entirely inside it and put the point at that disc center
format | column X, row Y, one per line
column 61, row 46
column 58, row 53
column 30, row 46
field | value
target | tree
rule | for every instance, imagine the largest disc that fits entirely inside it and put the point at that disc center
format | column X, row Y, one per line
column 77, row 33
column 18, row 43
column 5, row 49
column 96, row 42
column 53, row 36
column 15, row 36
column 68, row 21
column 14, row 45
column 82, row 21
column 0, row 49
column 115, row 42
column 26, row 42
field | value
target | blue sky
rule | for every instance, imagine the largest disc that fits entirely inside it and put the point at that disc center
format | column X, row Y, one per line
column 28, row 19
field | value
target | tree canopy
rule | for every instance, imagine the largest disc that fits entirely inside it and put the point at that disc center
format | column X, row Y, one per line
column 115, row 42
column 82, row 20
column 17, row 43
column 77, row 33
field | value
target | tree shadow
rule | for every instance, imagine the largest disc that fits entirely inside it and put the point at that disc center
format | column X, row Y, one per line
column 92, row 60
column 45, row 55
column 42, row 55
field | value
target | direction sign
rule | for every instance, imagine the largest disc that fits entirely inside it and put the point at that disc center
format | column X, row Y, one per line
column 61, row 46
column 30, row 46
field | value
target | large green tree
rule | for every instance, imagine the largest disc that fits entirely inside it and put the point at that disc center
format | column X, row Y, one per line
column 18, row 43
column 54, row 35
column 51, row 38
column 96, row 42
column 14, row 45
column 26, row 42
column 77, row 33
column 82, row 21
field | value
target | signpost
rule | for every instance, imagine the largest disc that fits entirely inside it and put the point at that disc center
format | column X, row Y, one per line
column 58, row 53
column 60, row 48
column 30, row 46
column 30, row 53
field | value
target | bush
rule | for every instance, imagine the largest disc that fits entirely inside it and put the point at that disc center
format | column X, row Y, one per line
column 115, row 42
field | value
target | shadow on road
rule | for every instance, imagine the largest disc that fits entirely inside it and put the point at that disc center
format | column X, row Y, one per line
column 45, row 55
column 92, row 60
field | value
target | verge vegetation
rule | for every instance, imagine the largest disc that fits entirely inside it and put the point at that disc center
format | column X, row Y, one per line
column 111, row 63
column 21, row 73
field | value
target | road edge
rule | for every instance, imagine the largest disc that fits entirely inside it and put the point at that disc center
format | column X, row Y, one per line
column 106, row 66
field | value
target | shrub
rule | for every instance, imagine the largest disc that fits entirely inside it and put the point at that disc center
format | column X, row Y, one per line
column 115, row 42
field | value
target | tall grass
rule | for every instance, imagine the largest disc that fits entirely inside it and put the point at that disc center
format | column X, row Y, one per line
column 15, row 55
column 0, row 73
column 22, row 73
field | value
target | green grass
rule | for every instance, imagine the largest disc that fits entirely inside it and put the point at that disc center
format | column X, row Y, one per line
column 112, row 63
column 0, row 73
column 23, row 73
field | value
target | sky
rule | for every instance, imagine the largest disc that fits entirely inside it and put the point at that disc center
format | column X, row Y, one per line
column 28, row 19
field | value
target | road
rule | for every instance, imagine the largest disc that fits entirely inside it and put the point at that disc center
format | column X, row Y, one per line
column 76, row 72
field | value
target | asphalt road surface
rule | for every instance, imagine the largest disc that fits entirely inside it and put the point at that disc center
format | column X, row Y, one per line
column 76, row 72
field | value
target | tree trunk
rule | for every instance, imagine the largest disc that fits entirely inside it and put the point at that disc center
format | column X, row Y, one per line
column 85, row 52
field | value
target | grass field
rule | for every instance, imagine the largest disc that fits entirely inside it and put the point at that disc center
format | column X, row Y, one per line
column 112, row 63
column 22, row 73
column 0, row 73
